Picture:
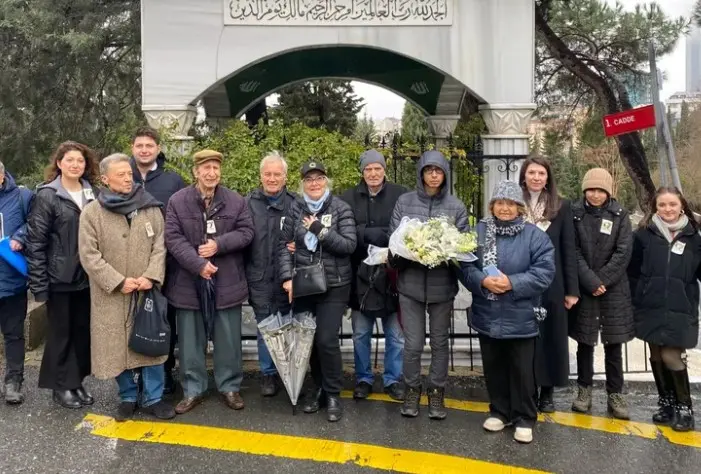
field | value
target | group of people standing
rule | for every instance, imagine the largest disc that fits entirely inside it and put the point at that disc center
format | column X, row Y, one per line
column 547, row 269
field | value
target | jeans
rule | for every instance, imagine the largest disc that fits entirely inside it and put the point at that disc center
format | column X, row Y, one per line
column 192, row 342
column 128, row 382
column 267, row 366
column 362, row 347
column 414, row 320
column 613, row 364
column 13, row 312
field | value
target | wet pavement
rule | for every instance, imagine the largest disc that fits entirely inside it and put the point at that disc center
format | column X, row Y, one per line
column 40, row 437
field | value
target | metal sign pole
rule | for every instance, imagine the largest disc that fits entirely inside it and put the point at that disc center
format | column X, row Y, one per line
column 659, row 116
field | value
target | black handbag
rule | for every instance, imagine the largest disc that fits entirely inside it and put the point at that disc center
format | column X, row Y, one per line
column 150, row 335
column 309, row 280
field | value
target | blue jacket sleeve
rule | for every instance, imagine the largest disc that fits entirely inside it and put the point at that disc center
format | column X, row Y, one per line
column 26, row 196
column 541, row 271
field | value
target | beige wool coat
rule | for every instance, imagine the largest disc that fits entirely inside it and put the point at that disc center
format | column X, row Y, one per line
column 110, row 251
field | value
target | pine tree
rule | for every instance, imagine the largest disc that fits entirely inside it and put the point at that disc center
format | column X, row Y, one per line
column 414, row 124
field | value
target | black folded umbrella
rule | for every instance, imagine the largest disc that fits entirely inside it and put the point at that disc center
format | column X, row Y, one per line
column 208, row 303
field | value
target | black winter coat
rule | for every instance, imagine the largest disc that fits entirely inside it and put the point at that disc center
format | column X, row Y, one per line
column 602, row 259
column 265, row 292
column 52, row 240
column 665, row 287
column 336, row 242
column 159, row 183
column 552, row 349
column 429, row 285
column 372, row 218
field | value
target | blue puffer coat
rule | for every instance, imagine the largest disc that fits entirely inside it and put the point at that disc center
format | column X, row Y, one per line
column 528, row 259
column 14, row 207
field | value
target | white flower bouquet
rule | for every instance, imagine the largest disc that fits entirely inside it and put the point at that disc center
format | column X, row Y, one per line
column 429, row 243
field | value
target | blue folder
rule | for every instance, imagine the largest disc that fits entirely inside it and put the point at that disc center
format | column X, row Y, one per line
column 15, row 259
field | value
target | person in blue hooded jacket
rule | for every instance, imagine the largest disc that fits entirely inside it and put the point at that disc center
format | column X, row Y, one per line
column 423, row 289
column 515, row 265
column 15, row 203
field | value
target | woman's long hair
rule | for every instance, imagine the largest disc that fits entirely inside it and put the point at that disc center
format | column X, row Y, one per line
column 91, row 173
column 552, row 200
column 647, row 220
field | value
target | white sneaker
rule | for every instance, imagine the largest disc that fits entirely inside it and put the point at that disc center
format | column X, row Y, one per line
column 493, row 424
column 523, row 435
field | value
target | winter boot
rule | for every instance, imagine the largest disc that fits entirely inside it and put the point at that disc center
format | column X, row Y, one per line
column 582, row 404
column 436, row 404
column 410, row 407
column 665, row 390
column 545, row 401
column 617, row 406
column 684, row 420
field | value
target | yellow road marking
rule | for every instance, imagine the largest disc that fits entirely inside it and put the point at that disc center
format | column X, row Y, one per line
column 574, row 420
column 292, row 447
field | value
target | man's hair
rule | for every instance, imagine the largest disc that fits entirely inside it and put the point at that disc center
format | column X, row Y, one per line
column 2, row 168
column 147, row 132
column 272, row 157
column 113, row 158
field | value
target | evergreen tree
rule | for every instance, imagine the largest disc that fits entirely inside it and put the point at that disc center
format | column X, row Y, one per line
column 365, row 130
column 328, row 104
column 414, row 124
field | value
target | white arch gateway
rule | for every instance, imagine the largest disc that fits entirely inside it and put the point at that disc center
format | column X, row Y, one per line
column 435, row 53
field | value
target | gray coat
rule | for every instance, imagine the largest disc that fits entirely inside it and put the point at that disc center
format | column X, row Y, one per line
column 416, row 281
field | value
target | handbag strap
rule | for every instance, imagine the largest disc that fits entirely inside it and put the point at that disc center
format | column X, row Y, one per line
column 321, row 251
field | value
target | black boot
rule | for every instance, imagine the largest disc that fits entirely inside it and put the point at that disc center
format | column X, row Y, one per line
column 67, row 399
column 684, row 420
column 410, row 407
column 13, row 393
column 436, row 404
column 84, row 396
column 665, row 390
column 545, row 401
column 314, row 400
column 334, row 410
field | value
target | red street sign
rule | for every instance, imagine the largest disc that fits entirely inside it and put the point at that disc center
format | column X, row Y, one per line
column 629, row 121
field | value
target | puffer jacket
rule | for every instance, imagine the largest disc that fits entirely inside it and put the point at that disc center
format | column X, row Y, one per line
column 265, row 292
column 664, row 282
column 52, row 240
column 602, row 259
column 15, row 205
column 335, row 246
column 528, row 260
column 416, row 281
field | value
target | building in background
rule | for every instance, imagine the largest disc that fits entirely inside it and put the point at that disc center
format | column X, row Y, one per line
column 676, row 101
column 388, row 125
column 693, row 60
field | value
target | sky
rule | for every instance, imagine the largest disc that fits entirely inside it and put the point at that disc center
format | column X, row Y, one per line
column 381, row 103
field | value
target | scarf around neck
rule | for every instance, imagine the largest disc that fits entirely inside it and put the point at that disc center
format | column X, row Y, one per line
column 127, row 204
column 494, row 228
column 536, row 211
column 667, row 230
column 310, row 240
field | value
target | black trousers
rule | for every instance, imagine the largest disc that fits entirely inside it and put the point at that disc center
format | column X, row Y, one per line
column 169, row 364
column 66, row 360
column 613, row 362
column 326, row 362
column 13, row 312
column 509, row 371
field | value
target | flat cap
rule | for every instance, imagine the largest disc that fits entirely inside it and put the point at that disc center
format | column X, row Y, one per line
column 207, row 155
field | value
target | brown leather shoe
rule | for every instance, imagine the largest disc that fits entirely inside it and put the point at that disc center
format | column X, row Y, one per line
column 187, row 404
column 233, row 400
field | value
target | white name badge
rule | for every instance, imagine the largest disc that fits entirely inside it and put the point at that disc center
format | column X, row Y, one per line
column 678, row 248
column 89, row 196
column 606, row 226
column 543, row 225
column 211, row 228
column 149, row 230
column 282, row 222
column 326, row 220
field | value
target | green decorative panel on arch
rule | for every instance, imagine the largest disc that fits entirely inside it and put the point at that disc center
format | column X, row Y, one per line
column 397, row 73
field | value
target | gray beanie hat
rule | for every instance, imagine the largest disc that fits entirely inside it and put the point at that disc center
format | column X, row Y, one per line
column 508, row 190
column 372, row 156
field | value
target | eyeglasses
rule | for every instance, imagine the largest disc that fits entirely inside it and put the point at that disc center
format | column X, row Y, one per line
column 433, row 170
column 312, row 180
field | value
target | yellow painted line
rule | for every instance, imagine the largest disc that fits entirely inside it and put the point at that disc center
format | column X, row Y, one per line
column 292, row 447
column 574, row 420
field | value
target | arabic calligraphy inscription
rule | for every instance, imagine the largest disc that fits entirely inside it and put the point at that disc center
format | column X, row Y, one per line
column 338, row 12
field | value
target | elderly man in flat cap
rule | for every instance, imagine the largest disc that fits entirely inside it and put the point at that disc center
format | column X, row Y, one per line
column 207, row 229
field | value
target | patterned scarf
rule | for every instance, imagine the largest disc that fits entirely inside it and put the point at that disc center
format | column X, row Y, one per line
column 536, row 213
column 496, row 227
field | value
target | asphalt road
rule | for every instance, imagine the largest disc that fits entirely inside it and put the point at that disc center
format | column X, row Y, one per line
column 40, row 437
